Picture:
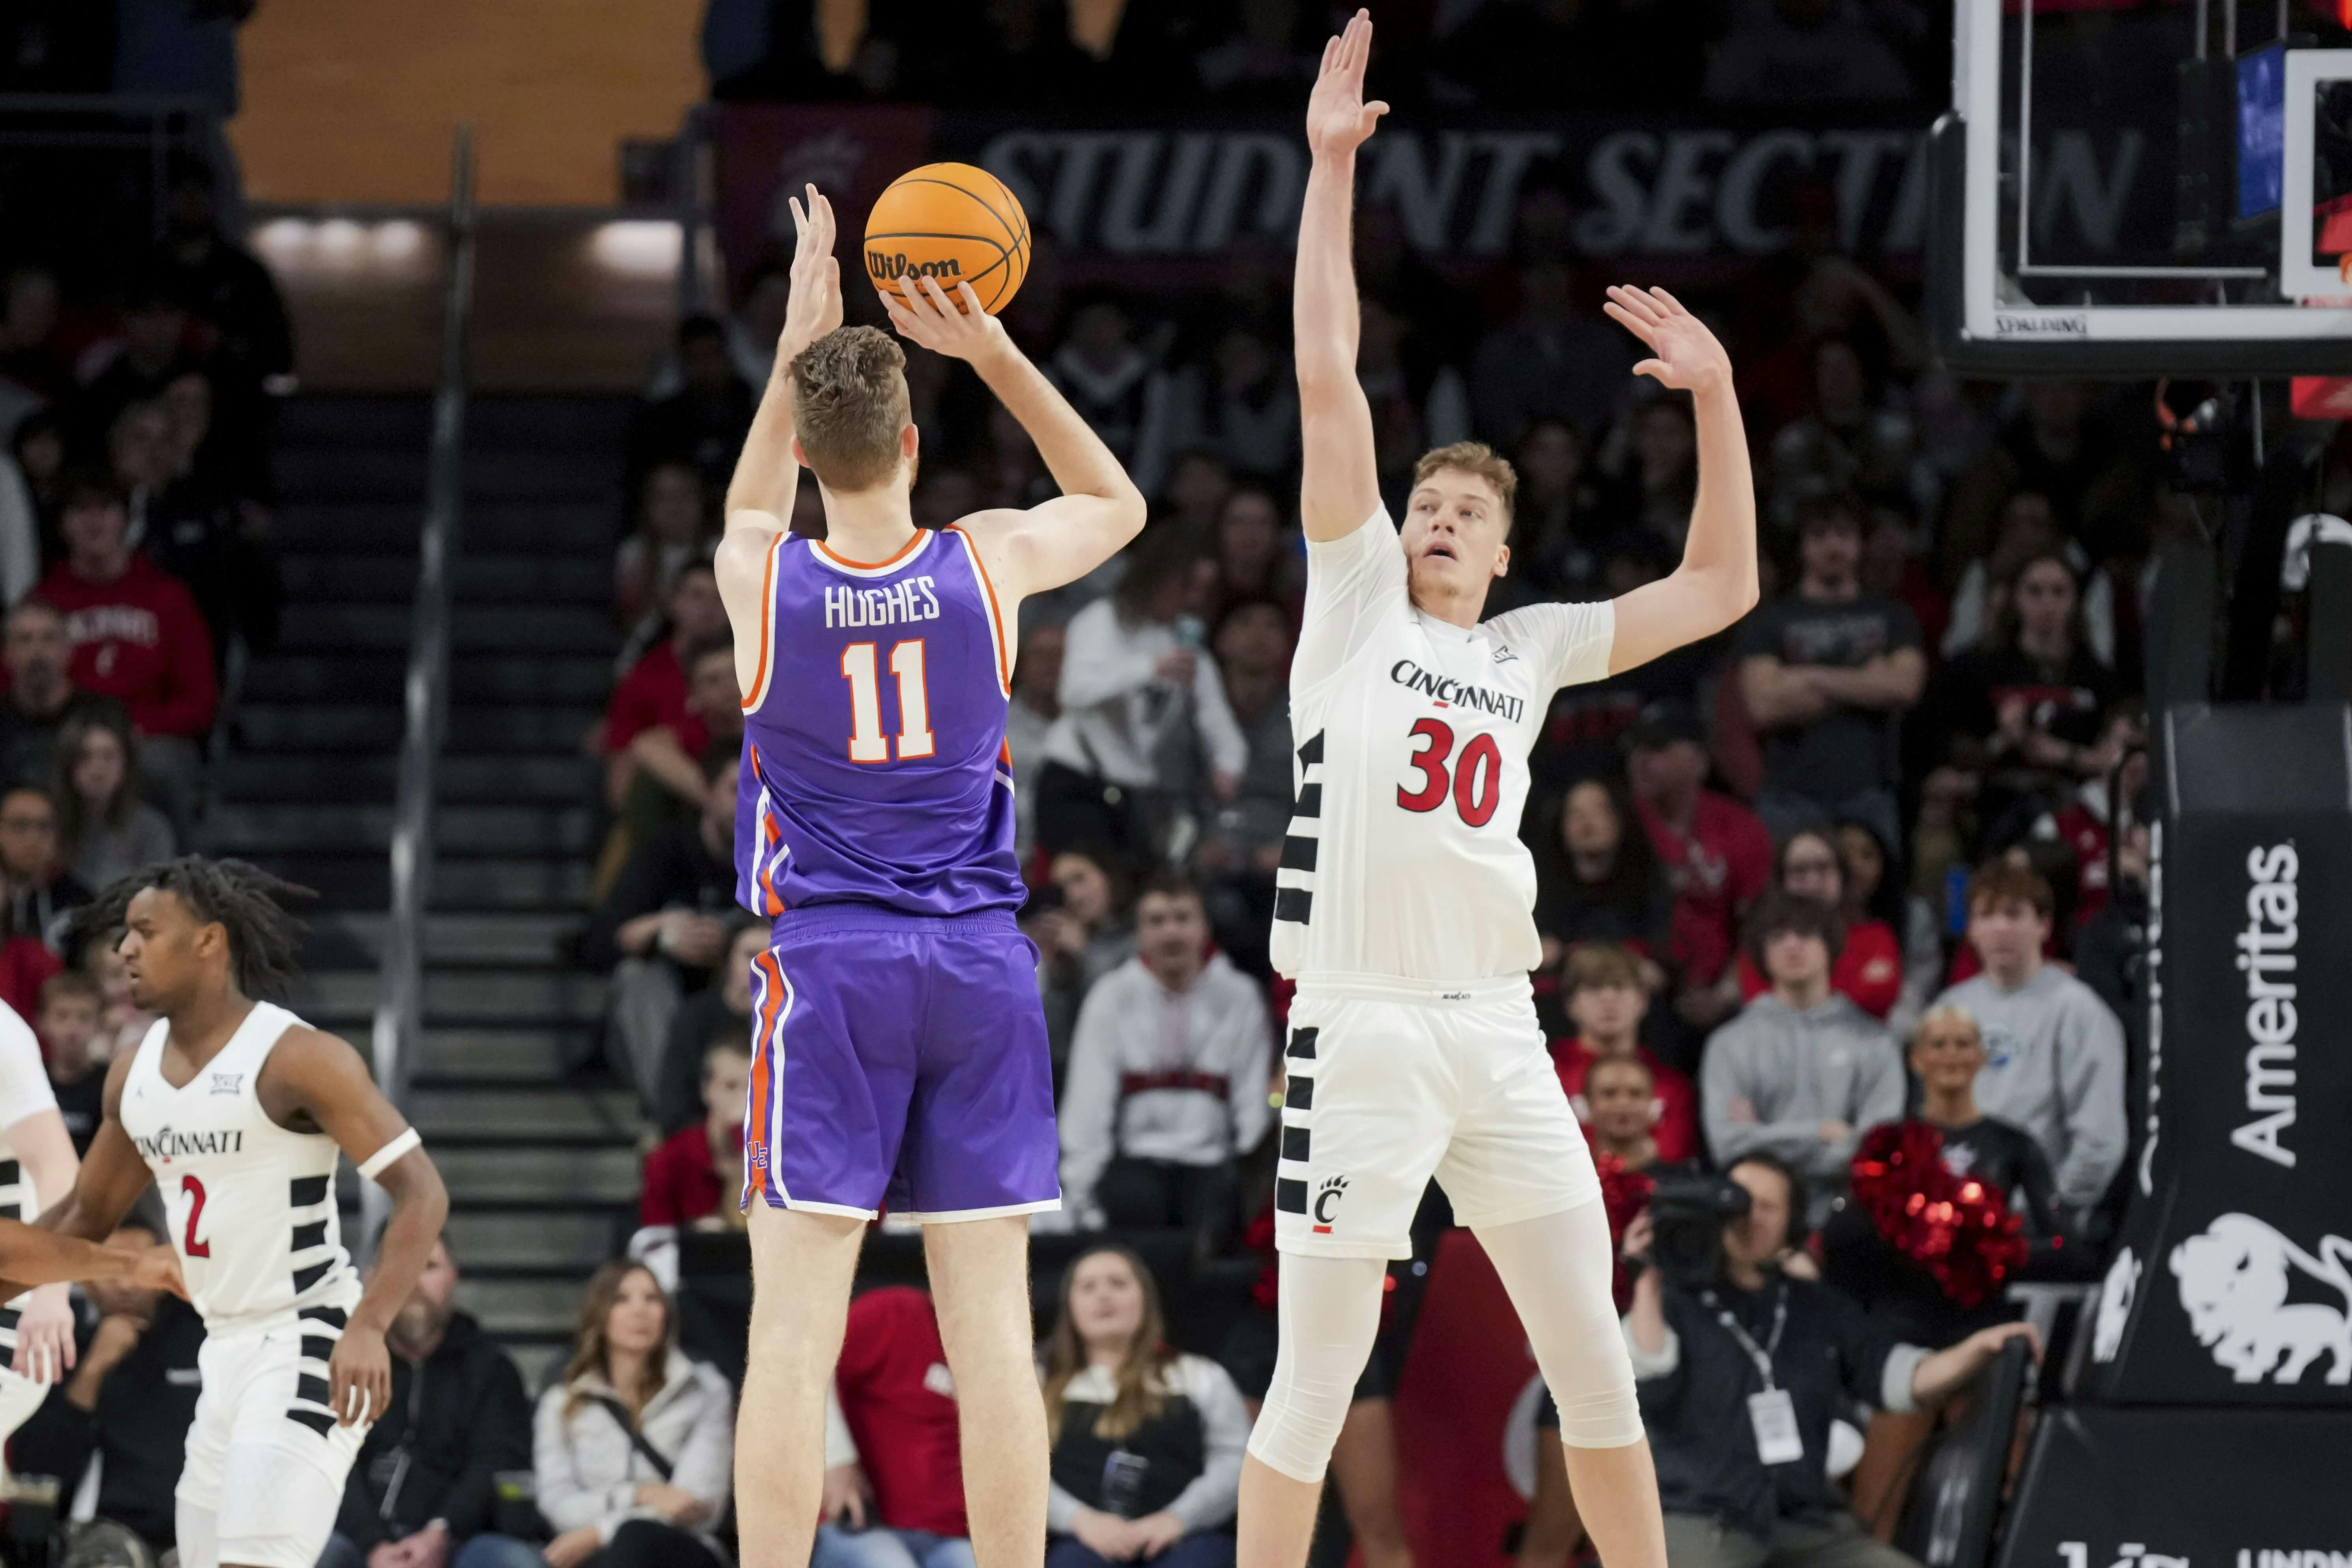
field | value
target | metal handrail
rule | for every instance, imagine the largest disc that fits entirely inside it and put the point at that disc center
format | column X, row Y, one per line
column 399, row 1010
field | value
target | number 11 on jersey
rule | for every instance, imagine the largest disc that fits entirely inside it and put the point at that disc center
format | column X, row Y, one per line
column 867, row 742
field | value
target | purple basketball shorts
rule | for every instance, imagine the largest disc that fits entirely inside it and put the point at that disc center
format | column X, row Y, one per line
column 899, row 1060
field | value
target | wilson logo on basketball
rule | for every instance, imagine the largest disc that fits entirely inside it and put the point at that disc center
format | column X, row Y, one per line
column 883, row 265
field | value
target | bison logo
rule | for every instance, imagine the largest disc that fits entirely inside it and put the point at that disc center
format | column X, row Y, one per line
column 2233, row 1286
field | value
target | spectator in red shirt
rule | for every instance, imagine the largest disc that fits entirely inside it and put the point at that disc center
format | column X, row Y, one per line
column 136, row 636
column 672, row 758
column 1869, row 970
column 1608, row 1001
column 1716, row 855
column 690, row 1178
column 654, row 691
column 894, row 1469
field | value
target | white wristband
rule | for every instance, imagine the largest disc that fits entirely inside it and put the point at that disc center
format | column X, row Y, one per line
column 391, row 1151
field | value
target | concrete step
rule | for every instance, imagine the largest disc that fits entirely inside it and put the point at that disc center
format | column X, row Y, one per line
column 595, row 424
column 523, row 1116
column 355, row 576
column 237, row 827
column 491, row 1238
column 354, row 474
column 493, row 883
column 378, row 727
column 322, row 526
column 472, row 939
column 458, row 996
column 576, row 1177
column 451, row 1057
column 377, row 677
column 257, row 779
column 503, row 628
column 540, row 1358
column 335, row 420
column 546, row 527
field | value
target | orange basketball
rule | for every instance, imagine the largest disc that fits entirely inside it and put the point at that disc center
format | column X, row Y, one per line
column 954, row 223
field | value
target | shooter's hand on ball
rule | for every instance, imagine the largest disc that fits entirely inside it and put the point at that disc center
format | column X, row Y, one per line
column 924, row 315
column 815, row 308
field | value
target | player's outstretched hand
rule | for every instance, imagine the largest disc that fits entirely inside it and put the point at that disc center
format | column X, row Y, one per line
column 814, row 307
column 925, row 316
column 359, row 1377
column 1684, row 353
column 157, row 1267
column 1339, row 121
column 44, row 1336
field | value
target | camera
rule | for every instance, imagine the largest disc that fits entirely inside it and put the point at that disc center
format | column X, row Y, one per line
column 1688, row 1210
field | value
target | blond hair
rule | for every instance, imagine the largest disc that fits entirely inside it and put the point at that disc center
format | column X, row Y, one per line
column 849, row 403
column 1479, row 458
column 1140, row 1385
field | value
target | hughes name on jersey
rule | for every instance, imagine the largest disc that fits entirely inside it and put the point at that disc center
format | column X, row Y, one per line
column 1404, row 857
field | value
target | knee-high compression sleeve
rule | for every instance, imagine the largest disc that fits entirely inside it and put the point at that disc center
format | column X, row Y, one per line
column 1330, row 1313
column 1558, row 1268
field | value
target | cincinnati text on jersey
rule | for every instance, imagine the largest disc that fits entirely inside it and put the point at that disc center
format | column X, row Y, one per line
column 1451, row 693
column 166, row 1143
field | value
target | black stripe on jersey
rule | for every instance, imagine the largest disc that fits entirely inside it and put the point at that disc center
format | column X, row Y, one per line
column 1289, row 1197
column 318, row 1347
column 1293, row 904
column 1299, row 853
column 1312, row 752
column 319, row 1421
column 303, row 1192
column 10, row 1172
column 305, row 1277
column 1298, row 1093
column 333, row 1317
column 1302, row 1043
column 307, row 1236
column 1310, row 801
column 312, row 1390
column 1295, row 1143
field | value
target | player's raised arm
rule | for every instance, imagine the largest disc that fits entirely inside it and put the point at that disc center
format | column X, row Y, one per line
column 1099, row 509
column 1716, row 581
column 767, row 476
column 320, row 1078
column 1340, row 475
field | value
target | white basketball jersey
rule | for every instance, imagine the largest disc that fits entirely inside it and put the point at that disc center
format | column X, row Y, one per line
column 251, row 1204
column 24, row 1091
column 1403, row 857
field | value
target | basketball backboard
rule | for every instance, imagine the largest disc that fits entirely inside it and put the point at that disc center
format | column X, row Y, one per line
column 2128, row 192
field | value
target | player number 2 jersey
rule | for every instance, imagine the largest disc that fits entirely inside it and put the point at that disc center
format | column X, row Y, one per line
column 251, row 1204
column 1404, row 857
column 875, row 767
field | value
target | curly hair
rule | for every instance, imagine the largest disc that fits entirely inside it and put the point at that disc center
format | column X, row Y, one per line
column 849, row 403
column 265, row 936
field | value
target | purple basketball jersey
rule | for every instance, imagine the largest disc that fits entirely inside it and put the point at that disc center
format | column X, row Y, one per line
column 875, row 765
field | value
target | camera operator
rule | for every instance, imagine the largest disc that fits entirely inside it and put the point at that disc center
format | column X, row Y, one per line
column 1740, row 1367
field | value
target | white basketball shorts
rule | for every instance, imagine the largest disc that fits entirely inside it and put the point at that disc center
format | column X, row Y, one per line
column 1393, row 1081
column 267, row 1460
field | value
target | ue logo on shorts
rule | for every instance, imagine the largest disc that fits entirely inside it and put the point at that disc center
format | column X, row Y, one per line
column 755, row 1154
column 1327, row 1204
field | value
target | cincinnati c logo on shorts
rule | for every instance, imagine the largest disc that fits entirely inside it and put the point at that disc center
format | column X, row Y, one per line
column 1327, row 1204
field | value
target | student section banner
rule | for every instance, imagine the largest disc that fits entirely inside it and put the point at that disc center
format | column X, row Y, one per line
column 1167, row 203
column 2232, row 1284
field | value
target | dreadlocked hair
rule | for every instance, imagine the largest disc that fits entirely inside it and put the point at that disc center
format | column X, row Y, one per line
column 249, row 903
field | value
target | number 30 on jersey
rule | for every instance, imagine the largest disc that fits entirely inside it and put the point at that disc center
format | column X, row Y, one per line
column 1475, row 782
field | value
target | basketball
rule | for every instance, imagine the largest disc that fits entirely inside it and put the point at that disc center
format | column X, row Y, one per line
column 954, row 223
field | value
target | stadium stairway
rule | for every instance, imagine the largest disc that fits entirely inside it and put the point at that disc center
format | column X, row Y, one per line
column 542, row 1165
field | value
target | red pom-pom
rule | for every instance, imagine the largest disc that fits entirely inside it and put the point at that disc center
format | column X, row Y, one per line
column 1959, row 1231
